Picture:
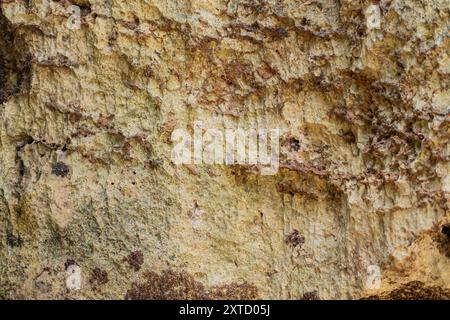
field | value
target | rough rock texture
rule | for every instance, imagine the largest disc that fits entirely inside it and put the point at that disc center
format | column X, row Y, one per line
column 87, row 184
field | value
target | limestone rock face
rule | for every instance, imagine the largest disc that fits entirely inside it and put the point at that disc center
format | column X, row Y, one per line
column 92, row 205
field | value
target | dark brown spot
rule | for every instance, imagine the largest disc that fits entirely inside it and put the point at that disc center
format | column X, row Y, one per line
column 135, row 259
column 148, row 72
column 98, row 277
column 349, row 137
column 295, row 239
column 60, row 169
column 311, row 295
column 446, row 230
column 70, row 262
column 294, row 144
column 12, row 240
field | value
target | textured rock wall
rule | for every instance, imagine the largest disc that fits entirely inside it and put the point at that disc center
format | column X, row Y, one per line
column 91, row 205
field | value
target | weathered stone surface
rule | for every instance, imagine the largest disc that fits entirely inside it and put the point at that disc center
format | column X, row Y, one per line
column 88, row 191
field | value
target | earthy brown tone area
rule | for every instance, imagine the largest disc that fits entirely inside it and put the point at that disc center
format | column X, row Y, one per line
column 86, row 177
column 171, row 285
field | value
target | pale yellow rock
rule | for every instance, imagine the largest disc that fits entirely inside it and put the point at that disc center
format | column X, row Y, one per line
column 92, row 206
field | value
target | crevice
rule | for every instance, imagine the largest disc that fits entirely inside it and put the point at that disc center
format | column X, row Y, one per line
column 21, row 166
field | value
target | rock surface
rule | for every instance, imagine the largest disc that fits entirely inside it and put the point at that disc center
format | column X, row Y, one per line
column 91, row 205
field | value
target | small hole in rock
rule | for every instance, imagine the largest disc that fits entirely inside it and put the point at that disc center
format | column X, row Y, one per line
column 60, row 169
column 446, row 230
